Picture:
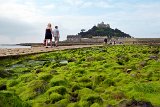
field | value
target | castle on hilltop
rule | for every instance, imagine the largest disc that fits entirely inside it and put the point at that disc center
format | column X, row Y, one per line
column 97, row 34
column 103, row 25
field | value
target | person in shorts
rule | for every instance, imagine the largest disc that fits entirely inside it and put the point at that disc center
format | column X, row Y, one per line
column 56, row 35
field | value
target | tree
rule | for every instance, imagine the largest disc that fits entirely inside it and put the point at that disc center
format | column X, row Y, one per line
column 82, row 30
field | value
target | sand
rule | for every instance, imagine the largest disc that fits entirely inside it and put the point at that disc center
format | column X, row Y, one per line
column 34, row 50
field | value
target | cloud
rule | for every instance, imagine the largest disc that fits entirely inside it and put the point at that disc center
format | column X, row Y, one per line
column 74, row 2
column 49, row 6
column 5, row 39
column 13, row 27
column 26, row 20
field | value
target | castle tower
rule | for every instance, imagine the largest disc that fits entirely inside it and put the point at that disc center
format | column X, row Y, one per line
column 103, row 25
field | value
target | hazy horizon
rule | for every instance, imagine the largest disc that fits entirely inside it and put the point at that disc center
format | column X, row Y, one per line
column 25, row 21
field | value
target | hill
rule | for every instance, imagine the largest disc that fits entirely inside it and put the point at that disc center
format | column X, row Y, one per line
column 103, row 30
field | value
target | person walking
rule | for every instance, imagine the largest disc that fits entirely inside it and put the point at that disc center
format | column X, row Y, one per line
column 56, row 35
column 48, row 35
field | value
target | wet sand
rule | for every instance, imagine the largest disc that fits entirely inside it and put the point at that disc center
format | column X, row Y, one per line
column 33, row 50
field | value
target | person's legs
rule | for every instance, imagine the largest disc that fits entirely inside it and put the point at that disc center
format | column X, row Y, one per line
column 46, row 42
column 51, row 42
column 55, row 41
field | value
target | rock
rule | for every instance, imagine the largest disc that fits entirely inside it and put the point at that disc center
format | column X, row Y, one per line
column 135, row 103
column 154, row 57
column 53, row 72
column 38, row 71
column 143, row 63
column 3, row 87
column 72, row 60
column 128, row 70
column 73, row 97
column 133, row 75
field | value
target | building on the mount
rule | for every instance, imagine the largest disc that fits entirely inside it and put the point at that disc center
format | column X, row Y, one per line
column 103, row 25
column 73, row 38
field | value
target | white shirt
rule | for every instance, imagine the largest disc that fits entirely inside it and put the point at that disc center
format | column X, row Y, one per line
column 56, row 33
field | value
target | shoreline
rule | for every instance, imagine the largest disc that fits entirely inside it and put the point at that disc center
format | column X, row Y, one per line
column 16, row 52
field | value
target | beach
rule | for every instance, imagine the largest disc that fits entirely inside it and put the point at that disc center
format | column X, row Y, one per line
column 4, row 52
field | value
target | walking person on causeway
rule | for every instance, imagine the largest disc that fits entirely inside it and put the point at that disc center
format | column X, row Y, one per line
column 48, row 35
column 56, row 35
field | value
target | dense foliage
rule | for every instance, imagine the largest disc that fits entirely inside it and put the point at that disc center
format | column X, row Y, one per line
column 107, row 31
column 89, row 77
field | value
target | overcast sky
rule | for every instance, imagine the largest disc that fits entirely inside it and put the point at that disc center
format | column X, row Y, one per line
column 25, row 20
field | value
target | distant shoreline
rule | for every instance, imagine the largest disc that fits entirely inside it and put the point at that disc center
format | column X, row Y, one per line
column 10, row 46
column 70, row 43
column 90, row 42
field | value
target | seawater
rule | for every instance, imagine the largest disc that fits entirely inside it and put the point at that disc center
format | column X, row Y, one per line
column 9, row 46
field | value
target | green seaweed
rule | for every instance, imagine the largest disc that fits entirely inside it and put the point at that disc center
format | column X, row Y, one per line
column 87, row 77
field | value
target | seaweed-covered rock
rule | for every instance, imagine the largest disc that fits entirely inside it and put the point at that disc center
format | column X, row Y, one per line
column 73, row 97
column 44, row 76
column 143, row 63
column 57, row 81
column 39, row 86
column 72, row 59
column 135, row 103
column 38, row 71
column 90, row 59
column 8, row 99
column 6, row 73
column 26, row 71
column 53, row 72
column 58, row 89
column 153, row 57
column 154, row 51
column 54, row 97
column 47, row 63
column 95, row 105
column 94, row 99
column 75, row 87
column 34, row 88
column 11, row 83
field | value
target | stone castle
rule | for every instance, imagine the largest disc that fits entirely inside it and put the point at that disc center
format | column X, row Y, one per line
column 103, row 25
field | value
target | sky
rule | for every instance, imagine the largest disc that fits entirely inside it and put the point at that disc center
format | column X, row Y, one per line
column 25, row 21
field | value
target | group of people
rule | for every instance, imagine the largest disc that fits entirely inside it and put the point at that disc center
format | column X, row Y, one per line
column 49, row 33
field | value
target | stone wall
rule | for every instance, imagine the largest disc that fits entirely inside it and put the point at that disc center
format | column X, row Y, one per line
column 94, row 39
column 73, row 38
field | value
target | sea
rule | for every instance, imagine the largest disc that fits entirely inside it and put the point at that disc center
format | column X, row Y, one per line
column 9, row 46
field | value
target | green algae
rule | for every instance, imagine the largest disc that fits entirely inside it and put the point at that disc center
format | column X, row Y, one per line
column 87, row 77
column 9, row 99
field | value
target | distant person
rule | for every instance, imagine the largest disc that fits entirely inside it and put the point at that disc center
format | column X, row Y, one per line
column 114, row 42
column 56, row 35
column 48, row 35
column 105, row 40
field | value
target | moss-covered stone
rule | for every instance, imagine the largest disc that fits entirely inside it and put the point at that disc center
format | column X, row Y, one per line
column 87, row 77
column 54, row 97
column 8, row 99
column 34, row 88
column 57, row 81
column 58, row 89
column 44, row 76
